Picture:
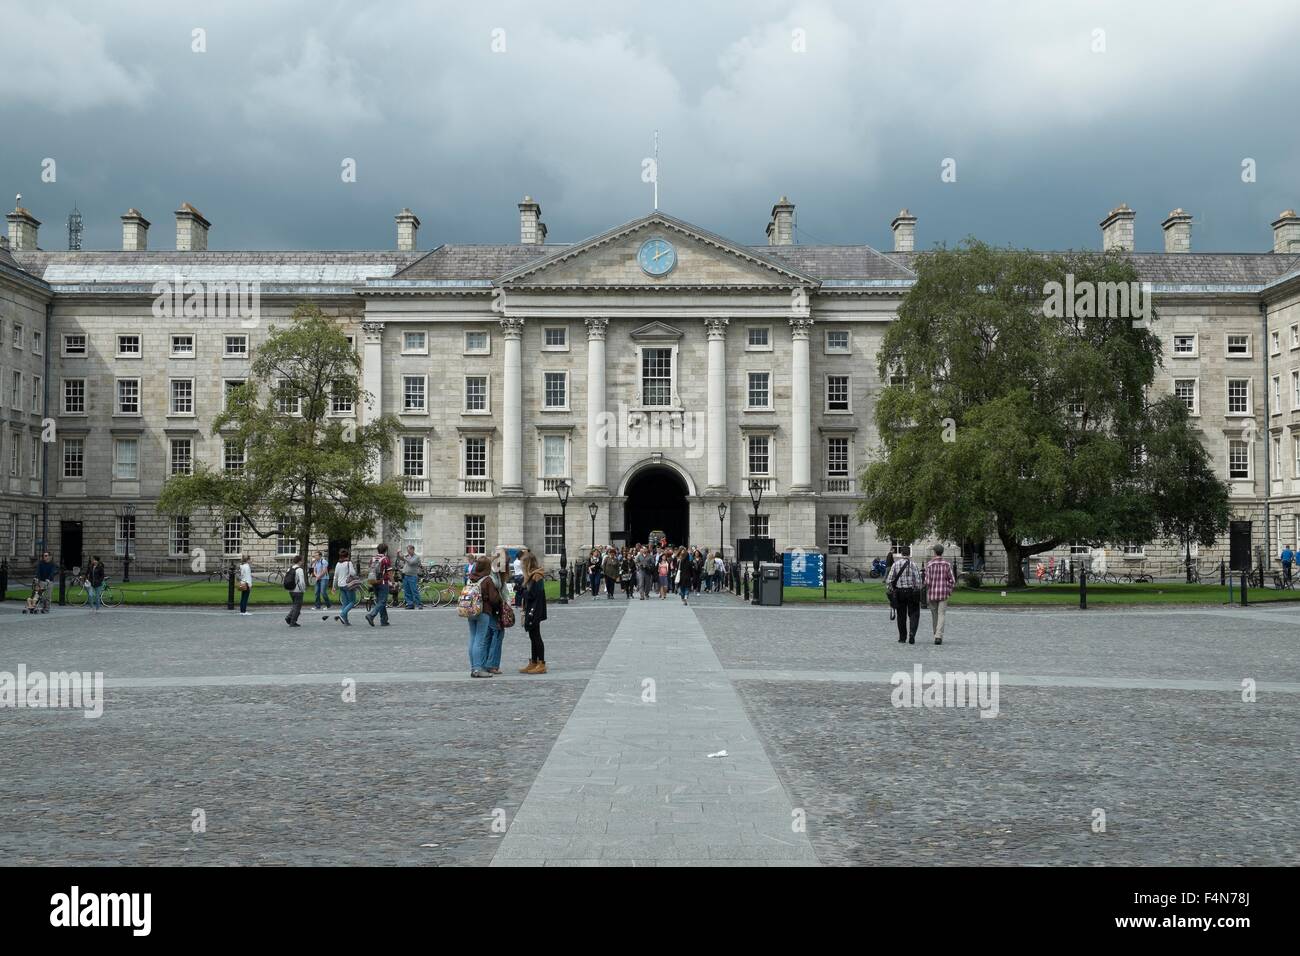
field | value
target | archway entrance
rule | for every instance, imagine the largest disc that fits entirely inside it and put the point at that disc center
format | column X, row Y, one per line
column 656, row 501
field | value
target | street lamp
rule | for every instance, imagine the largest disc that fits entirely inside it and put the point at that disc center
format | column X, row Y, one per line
column 592, row 508
column 562, row 492
column 756, row 496
column 722, row 534
column 128, row 535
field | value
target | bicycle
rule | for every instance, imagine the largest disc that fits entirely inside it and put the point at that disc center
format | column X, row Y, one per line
column 109, row 596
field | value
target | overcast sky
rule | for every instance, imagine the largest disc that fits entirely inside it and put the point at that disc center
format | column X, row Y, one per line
column 849, row 108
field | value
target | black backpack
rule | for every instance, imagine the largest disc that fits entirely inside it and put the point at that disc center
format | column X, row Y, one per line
column 291, row 579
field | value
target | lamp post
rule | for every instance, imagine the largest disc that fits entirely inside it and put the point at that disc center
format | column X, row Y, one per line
column 127, row 511
column 592, row 508
column 562, row 492
column 722, row 534
column 756, row 496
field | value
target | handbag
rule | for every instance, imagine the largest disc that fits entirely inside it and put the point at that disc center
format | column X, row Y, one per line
column 243, row 586
column 507, row 615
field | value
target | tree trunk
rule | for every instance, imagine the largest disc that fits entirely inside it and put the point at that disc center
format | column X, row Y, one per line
column 305, row 531
column 1015, row 573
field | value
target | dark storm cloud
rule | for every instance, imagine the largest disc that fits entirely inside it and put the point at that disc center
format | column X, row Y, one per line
column 850, row 109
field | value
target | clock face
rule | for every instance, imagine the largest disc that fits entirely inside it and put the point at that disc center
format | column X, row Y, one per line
column 657, row 257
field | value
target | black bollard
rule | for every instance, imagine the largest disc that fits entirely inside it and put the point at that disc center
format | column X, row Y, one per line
column 1222, row 574
column 4, row 578
column 1244, row 576
column 63, row 587
column 838, row 574
column 230, row 588
column 746, row 580
column 1083, row 589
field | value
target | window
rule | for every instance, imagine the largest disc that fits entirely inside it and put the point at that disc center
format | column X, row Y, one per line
column 128, row 346
column 128, row 396
column 35, row 442
column 1295, row 389
column 837, row 534
column 477, row 343
column 236, row 346
column 74, row 345
column 227, row 387
column 36, row 393
column 1185, row 346
column 837, row 457
column 897, row 376
column 1275, row 342
column 555, row 457
column 285, row 546
column 18, row 336
column 555, row 339
column 415, row 343
column 476, row 393
column 178, row 537
column 340, row 399
column 1238, row 459
column 232, row 536
column 1238, row 396
column 413, row 534
column 759, row 526
column 475, row 457
column 900, row 547
column 759, row 338
column 413, row 393
column 1295, row 454
column 1186, row 391
column 182, row 397
column 837, row 393
column 126, row 459
column 181, row 458
column 14, row 460
column 1295, row 336
column 1238, row 346
column 124, row 542
column 1277, row 460
column 1133, row 549
column 555, row 390
column 74, row 458
column 16, row 390
column 553, row 533
column 759, row 458
column 837, row 341
column 182, row 346
column 476, row 534
column 412, row 456
column 232, row 455
column 38, row 347
column 657, row 377
column 287, row 399
column 760, row 390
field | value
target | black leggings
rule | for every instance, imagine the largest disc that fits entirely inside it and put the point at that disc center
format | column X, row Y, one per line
column 538, row 652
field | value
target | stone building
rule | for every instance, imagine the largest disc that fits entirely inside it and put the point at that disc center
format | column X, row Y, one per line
column 659, row 367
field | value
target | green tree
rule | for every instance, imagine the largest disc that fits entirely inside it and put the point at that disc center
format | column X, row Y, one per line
column 301, row 466
column 1012, row 421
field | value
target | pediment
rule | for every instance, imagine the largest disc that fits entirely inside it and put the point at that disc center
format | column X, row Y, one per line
column 656, row 330
column 609, row 261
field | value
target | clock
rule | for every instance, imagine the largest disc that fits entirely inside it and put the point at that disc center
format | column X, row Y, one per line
column 657, row 257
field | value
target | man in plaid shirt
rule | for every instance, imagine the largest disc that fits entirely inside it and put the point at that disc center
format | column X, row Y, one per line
column 903, row 585
column 939, row 582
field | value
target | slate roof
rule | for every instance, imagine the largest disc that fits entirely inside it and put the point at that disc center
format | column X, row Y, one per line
column 475, row 261
column 302, row 267
column 839, row 262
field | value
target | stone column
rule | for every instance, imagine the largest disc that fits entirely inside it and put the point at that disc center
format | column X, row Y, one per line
column 596, row 433
column 372, row 378
column 717, row 422
column 512, row 420
column 800, row 409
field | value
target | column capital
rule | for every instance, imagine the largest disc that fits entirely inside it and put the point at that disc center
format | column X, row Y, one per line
column 716, row 328
column 512, row 327
column 801, row 327
column 596, row 328
column 374, row 331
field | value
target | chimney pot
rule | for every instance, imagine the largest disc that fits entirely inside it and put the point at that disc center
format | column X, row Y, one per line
column 1117, row 229
column 532, row 231
column 780, row 228
column 1178, row 231
column 191, row 230
column 1286, row 232
column 23, row 228
column 904, row 229
column 408, row 227
column 135, row 231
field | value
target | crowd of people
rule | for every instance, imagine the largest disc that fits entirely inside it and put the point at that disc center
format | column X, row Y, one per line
column 658, row 568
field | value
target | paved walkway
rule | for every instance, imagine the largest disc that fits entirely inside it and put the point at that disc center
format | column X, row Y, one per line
column 630, row 779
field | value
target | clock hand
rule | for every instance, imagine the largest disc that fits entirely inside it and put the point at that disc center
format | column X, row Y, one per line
column 664, row 253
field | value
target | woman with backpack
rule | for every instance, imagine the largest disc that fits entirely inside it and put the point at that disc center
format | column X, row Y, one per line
column 480, row 601
column 534, row 604
column 347, row 579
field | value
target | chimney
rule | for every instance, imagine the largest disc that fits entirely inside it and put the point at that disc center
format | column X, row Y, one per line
column 135, row 231
column 23, row 227
column 1178, row 231
column 1117, row 229
column 780, row 230
column 408, row 226
column 1286, row 232
column 532, row 231
column 904, row 227
column 191, row 230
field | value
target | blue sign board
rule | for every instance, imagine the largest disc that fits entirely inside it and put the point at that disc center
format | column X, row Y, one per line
column 804, row 569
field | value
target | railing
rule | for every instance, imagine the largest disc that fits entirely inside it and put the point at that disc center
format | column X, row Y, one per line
column 839, row 486
column 412, row 485
column 548, row 486
column 766, row 484
column 476, row 486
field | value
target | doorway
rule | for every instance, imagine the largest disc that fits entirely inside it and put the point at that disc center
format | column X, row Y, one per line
column 657, row 501
column 70, row 545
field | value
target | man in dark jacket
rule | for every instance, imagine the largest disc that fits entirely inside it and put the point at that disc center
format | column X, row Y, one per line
column 45, row 574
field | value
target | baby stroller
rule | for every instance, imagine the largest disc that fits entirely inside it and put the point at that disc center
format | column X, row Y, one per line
column 39, row 600
column 878, row 568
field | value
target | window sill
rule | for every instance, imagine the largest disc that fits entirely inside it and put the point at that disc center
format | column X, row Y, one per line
column 476, row 411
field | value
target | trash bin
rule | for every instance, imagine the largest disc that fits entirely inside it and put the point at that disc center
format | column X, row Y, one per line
column 771, row 587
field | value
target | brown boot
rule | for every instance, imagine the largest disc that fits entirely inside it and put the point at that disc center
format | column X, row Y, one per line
column 539, row 668
column 529, row 668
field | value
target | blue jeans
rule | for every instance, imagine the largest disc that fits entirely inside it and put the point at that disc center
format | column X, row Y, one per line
column 495, row 638
column 348, row 600
column 411, row 590
column 243, row 599
column 95, row 593
column 323, row 592
column 478, row 638
column 381, row 604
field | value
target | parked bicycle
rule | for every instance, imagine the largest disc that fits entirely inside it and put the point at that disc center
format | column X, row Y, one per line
column 109, row 596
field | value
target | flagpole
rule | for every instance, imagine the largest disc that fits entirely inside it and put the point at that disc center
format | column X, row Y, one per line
column 656, row 170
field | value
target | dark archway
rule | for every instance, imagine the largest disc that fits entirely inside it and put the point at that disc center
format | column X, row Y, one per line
column 656, row 501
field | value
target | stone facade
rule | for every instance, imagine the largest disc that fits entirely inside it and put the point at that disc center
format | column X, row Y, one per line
column 767, row 354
